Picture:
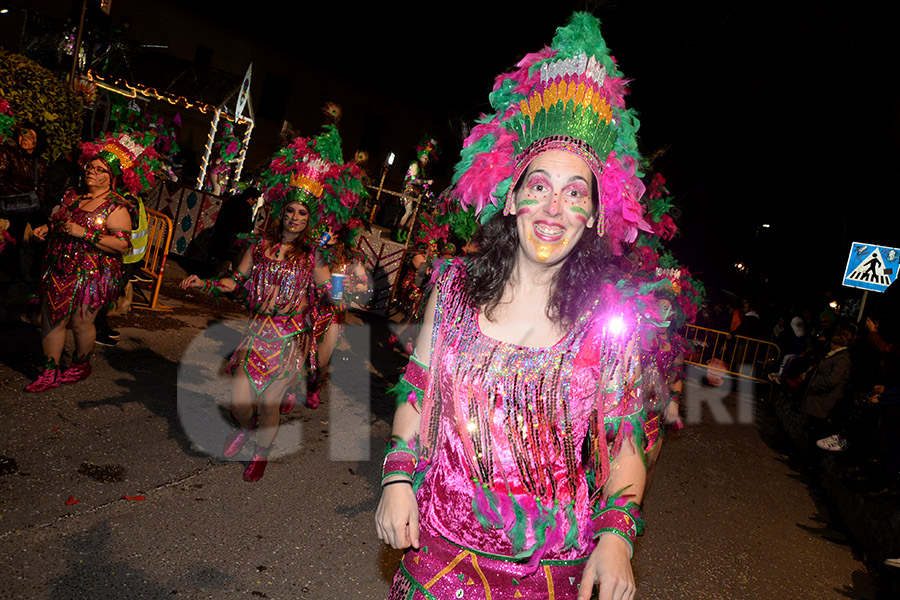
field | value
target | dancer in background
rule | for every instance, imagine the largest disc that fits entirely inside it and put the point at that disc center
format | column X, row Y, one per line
column 89, row 233
column 286, row 279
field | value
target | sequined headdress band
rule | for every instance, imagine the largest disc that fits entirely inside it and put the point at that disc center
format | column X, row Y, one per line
column 119, row 154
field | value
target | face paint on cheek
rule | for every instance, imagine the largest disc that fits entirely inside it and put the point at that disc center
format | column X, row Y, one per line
column 525, row 207
column 581, row 214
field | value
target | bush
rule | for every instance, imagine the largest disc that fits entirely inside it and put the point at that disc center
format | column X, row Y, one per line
column 35, row 94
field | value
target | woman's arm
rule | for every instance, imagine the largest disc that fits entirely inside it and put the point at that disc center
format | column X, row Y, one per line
column 617, row 520
column 118, row 222
column 397, row 516
column 609, row 565
column 116, row 242
column 225, row 284
column 321, row 271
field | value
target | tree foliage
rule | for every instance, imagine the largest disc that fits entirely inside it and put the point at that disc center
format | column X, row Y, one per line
column 35, row 94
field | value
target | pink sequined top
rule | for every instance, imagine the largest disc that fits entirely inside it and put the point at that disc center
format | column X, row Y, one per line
column 280, row 287
column 76, row 273
column 504, row 430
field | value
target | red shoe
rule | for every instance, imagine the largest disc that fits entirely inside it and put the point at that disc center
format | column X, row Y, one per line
column 257, row 466
column 76, row 372
column 287, row 405
column 47, row 380
column 312, row 398
column 235, row 442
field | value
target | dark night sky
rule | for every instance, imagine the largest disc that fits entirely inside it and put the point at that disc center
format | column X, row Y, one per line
column 781, row 112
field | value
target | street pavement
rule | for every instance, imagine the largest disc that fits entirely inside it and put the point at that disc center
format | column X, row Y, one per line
column 112, row 488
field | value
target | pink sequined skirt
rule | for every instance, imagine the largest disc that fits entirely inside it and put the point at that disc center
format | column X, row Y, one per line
column 442, row 570
column 275, row 346
column 88, row 286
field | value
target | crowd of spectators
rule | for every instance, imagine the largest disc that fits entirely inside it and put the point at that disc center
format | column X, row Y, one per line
column 842, row 374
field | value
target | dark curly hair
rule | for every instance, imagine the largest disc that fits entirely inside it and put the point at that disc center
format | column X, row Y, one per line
column 575, row 285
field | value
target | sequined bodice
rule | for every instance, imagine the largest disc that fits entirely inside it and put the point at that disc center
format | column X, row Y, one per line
column 509, row 419
column 67, row 253
column 280, row 286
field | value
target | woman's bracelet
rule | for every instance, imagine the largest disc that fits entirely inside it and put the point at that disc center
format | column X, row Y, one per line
column 92, row 238
column 620, row 517
column 384, row 485
column 210, row 288
column 399, row 462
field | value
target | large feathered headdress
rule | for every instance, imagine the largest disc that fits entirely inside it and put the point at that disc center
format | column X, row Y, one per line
column 568, row 97
column 130, row 157
column 311, row 170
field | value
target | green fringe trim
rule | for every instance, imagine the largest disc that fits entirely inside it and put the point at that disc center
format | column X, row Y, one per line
column 516, row 535
column 571, row 540
column 492, row 503
column 50, row 364
column 402, row 390
column 546, row 519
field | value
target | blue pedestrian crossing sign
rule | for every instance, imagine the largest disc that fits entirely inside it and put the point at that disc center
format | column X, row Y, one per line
column 871, row 267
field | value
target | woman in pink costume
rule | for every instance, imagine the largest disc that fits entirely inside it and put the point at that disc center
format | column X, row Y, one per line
column 356, row 290
column 286, row 281
column 280, row 274
column 516, row 468
column 89, row 233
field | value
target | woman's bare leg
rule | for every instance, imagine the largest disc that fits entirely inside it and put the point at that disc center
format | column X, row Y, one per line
column 242, row 397
column 652, row 458
column 53, row 339
column 269, row 409
column 83, row 328
column 327, row 345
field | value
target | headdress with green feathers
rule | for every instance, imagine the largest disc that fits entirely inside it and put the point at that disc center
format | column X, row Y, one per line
column 311, row 170
column 570, row 97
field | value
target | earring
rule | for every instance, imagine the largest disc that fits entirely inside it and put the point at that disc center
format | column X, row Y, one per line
column 601, row 221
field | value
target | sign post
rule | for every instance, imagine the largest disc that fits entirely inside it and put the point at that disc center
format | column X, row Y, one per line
column 871, row 268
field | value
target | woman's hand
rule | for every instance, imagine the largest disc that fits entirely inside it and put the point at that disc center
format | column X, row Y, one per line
column 74, row 229
column 191, row 281
column 871, row 325
column 609, row 566
column 41, row 232
column 397, row 517
column 670, row 415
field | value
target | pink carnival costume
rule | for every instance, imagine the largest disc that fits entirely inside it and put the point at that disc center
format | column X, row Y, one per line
column 509, row 508
column 286, row 285
column 83, row 265
column 282, row 296
column 515, row 444
column 78, row 275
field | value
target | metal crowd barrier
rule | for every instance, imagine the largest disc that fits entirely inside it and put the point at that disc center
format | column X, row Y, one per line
column 159, row 230
column 742, row 356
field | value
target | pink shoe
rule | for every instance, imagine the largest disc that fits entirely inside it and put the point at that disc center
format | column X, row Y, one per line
column 257, row 466
column 235, row 442
column 47, row 380
column 287, row 405
column 76, row 372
